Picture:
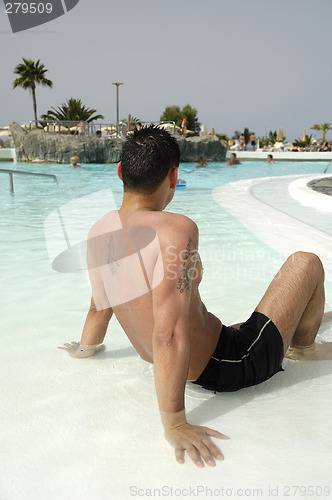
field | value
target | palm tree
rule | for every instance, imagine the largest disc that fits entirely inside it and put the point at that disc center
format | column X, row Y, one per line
column 71, row 111
column 132, row 123
column 301, row 144
column 31, row 73
column 323, row 127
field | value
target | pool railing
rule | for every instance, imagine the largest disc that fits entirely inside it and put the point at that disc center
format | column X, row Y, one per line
column 22, row 172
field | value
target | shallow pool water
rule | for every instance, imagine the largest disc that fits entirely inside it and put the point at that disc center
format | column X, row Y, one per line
column 226, row 246
column 68, row 426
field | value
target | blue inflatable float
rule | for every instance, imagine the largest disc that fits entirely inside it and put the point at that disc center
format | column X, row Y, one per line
column 181, row 183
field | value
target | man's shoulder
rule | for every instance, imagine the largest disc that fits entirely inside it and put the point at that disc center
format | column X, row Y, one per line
column 107, row 223
column 177, row 217
column 176, row 230
column 177, row 222
column 163, row 223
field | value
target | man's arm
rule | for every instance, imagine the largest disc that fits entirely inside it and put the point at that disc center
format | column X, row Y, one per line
column 95, row 326
column 171, row 349
column 93, row 333
column 99, row 313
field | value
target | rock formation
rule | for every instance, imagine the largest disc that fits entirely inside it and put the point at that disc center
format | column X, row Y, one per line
column 323, row 185
column 208, row 147
column 44, row 147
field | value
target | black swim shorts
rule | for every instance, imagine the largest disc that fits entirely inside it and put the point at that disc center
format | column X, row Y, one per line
column 244, row 357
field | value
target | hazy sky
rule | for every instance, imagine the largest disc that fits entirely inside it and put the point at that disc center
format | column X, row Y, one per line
column 263, row 64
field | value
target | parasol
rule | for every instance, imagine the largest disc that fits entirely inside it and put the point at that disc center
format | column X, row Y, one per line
column 280, row 136
column 304, row 137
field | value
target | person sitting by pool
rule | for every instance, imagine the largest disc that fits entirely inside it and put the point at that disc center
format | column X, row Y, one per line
column 80, row 128
column 269, row 159
column 98, row 134
column 201, row 162
column 74, row 162
column 233, row 160
column 161, row 309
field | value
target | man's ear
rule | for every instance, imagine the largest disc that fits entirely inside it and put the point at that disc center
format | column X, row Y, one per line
column 173, row 173
column 119, row 170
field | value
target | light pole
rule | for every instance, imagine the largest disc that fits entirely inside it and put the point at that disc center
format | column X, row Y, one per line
column 117, row 106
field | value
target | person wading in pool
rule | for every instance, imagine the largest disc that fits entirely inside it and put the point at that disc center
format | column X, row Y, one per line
column 156, row 254
column 233, row 160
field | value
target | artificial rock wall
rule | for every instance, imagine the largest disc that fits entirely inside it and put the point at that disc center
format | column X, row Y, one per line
column 43, row 147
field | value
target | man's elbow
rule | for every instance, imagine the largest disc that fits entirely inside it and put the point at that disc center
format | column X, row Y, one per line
column 164, row 338
column 170, row 338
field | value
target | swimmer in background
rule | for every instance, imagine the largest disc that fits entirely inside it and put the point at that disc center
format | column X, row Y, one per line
column 74, row 162
column 201, row 162
column 233, row 160
column 269, row 159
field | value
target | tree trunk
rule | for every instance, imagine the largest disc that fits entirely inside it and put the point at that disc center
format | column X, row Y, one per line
column 33, row 87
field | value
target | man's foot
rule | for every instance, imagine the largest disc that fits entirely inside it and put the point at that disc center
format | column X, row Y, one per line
column 316, row 351
column 327, row 317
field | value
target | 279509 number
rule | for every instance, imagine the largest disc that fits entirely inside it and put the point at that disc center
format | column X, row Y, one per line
column 28, row 8
column 306, row 491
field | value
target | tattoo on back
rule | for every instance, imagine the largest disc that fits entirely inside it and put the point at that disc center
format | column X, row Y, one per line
column 113, row 263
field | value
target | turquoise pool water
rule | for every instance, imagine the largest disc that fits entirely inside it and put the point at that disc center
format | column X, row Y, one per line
column 23, row 213
column 227, row 248
column 90, row 178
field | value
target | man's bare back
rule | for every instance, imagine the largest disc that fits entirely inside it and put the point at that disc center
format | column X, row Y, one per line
column 136, row 315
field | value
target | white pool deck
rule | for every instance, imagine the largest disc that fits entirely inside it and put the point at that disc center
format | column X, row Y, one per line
column 7, row 154
column 261, row 155
column 89, row 429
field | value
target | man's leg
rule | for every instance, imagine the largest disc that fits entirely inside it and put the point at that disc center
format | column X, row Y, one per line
column 295, row 299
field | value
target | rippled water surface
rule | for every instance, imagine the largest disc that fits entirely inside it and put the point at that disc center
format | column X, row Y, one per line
column 25, row 270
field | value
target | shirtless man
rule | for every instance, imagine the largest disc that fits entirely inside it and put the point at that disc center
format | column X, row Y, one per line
column 145, row 268
column 201, row 162
column 242, row 142
column 233, row 160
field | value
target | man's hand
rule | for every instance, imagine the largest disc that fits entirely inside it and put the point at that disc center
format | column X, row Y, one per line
column 78, row 350
column 195, row 440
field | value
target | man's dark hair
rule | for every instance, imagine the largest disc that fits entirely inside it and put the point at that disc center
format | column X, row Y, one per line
column 146, row 158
